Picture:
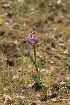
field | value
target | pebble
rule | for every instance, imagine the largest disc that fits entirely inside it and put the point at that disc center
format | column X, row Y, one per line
column 15, row 77
column 62, row 83
column 68, row 78
column 66, row 52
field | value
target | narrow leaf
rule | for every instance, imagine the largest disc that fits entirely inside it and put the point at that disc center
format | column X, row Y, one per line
column 1, row 20
column 1, row 15
column 37, row 80
column 32, row 59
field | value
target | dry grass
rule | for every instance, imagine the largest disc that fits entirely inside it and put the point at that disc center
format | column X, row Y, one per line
column 16, row 84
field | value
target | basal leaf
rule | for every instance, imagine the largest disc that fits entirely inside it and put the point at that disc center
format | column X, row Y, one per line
column 37, row 80
column 1, row 20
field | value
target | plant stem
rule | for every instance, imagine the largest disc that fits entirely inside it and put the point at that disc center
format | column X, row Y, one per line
column 34, row 47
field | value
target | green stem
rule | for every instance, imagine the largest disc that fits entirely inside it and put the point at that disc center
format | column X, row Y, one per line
column 34, row 47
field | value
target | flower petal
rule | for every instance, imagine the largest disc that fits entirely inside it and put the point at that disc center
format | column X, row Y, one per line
column 32, row 42
column 29, row 36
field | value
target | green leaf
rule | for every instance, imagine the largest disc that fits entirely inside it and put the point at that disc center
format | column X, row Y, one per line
column 37, row 80
column 62, row 89
column 31, row 58
column 67, row 83
column 1, row 15
column 1, row 20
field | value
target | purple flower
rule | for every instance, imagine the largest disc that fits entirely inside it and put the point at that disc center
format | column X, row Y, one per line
column 32, row 42
column 31, row 37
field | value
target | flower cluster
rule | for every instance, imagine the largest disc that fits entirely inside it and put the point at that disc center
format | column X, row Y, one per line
column 31, row 37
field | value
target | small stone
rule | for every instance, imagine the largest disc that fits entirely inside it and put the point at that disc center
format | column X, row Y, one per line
column 68, row 78
column 54, row 99
column 38, row 95
column 5, row 89
column 68, row 102
column 32, row 9
column 68, row 16
column 21, row 1
column 15, row 77
column 20, row 97
column 6, row 5
column 51, row 62
column 38, row 101
column 66, row 52
column 43, row 70
column 29, row 85
column 62, row 83
column 50, row 5
column 69, row 40
column 19, row 69
column 59, row 2
column 22, row 91
column 62, row 44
